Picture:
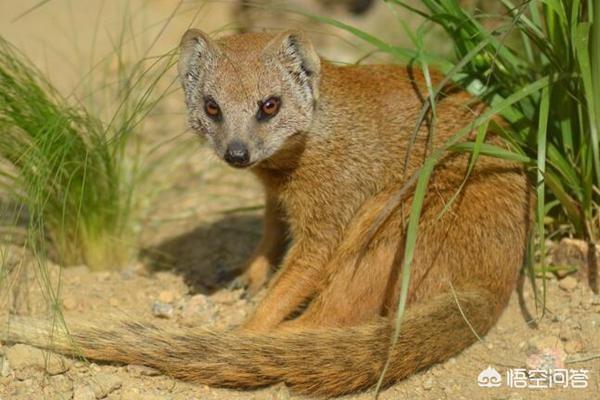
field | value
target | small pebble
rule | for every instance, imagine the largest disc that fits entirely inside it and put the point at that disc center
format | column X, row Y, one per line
column 128, row 274
column 103, row 384
column 537, row 344
column 166, row 296
column 141, row 370
column 428, row 384
column 83, row 392
column 548, row 359
column 69, row 303
column 162, row 310
column 103, row 275
column 131, row 393
column 226, row 296
column 4, row 367
column 565, row 333
column 574, row 346
column 61, row 383
column 586, row 303
column 569, row 283
column 281, row 392
column 199, row 308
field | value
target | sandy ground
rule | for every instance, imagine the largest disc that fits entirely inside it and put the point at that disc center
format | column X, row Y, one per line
column 188, row 287
column 200, row 232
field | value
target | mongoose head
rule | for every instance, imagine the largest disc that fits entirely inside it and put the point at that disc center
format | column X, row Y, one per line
column 249, row 94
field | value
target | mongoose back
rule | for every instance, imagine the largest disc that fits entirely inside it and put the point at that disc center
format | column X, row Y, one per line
column 332, row 145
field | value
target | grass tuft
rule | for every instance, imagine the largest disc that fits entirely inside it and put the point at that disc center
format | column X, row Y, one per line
column 74, row 180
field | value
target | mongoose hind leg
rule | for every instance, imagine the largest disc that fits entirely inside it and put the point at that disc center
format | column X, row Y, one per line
column 353, row 295
column 296, row 281
column 357, row 286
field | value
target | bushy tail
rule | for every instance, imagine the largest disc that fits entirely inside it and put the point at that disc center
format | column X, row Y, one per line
column 326, row 362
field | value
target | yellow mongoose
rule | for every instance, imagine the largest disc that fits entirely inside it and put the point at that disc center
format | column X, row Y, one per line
column 329, row 145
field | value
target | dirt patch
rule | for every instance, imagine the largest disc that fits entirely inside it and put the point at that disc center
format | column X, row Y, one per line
column 569, row 329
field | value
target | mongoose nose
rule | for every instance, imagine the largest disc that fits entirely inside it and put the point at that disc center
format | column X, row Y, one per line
column 237, row 154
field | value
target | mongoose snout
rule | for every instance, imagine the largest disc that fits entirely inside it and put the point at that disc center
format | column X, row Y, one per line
column 237, row 154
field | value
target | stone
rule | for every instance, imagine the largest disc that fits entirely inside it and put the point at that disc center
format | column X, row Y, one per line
column 549, row 358
column 69, row 303
column 102, row 275
column 570, row 252
column 26, row 389
column 575, row 253
column 135, row 270
column 568, row 283
column 199, row 308
column 162, row 310
column 539, row 343
column 586, row 303
column 83, row 392
column 4, row 367
column 574, row 346
column 21, row 356
column 131, row 393
column 141, row 370
column 166, row 296
column 103, row 384
column 565, row 333
column 428, row 384
column 281, row 392
column 575, row 299
column 61, row 383
column 226, row 296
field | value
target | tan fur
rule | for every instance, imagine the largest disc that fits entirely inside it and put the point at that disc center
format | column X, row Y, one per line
column 330, row 161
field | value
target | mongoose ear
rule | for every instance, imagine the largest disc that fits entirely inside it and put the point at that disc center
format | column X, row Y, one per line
column 298, row 56
column 196, row 51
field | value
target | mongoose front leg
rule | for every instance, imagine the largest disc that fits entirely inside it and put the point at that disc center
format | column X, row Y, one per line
column 270, row 249
column 295, row 282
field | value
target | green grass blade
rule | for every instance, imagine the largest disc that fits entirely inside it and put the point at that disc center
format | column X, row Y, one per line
column 409, row 248
column 540, row 185
column 491, row 150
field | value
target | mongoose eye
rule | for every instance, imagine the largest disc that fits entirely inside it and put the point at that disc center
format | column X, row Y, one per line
column 212, row 109
column 268, row 109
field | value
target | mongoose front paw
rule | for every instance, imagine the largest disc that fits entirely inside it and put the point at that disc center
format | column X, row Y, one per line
column 250, row 282
column 239, row 282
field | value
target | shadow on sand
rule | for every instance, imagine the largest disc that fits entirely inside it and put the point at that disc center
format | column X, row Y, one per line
column 209, row 256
